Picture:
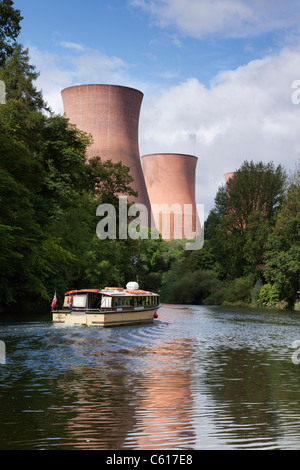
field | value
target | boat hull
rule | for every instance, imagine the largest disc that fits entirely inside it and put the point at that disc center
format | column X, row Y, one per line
column 104, row 319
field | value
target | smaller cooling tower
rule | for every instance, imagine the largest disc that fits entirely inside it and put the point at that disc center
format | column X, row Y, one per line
column 170, row 180
column 229, row 175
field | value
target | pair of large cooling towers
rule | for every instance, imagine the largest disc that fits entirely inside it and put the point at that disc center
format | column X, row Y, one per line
column 111, row 113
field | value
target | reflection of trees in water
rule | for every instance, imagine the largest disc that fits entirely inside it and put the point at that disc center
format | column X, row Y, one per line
column 246, row 388
column 100, row 411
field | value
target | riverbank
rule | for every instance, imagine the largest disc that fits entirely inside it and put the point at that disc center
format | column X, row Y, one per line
column 278, row 306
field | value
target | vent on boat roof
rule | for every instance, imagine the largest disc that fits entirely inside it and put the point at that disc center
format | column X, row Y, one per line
column 132, row 286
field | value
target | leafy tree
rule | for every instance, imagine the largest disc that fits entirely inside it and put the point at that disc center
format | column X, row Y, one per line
column 199, row 287
column 22, row 116
column 253, row 188
column 239, row 290
column 27, row 252
column 49, row 195
column 282, row 255
column 108, row 180
column 240, row 221
column 10, row 19
column 258, row 229
column 214, row 221
column 19, row 77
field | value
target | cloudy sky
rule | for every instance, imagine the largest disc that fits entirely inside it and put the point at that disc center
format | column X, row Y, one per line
column 221, row 78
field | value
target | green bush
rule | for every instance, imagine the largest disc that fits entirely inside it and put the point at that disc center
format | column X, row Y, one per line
column 199, row 287
column 268, row 295
column 239, row 290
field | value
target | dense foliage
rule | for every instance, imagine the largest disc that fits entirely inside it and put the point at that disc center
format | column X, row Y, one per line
column 10, row 19
column 48, row 198
column 49, row 194
column 251, row 253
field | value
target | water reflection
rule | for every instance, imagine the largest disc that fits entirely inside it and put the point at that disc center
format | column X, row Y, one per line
column 243, row 384
column 114, row 407
column 164, row 405
column 199, row 378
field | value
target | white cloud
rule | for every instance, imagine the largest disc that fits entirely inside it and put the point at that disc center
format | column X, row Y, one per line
column 73, row 46
column 232, row 18
column 86, row 66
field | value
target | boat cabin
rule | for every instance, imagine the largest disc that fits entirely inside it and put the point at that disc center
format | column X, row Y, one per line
column 109, row 299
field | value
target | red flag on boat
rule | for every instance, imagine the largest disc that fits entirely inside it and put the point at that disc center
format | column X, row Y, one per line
column 54, row 301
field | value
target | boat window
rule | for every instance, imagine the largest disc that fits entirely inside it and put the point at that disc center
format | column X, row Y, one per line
column 106, row 302
column 67, row 300
column 94, row 301
column 79, row 300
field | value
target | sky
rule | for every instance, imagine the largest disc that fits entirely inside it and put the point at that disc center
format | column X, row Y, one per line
column 220, row 78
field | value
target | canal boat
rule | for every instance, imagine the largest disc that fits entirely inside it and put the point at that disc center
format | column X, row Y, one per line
column 111, row 306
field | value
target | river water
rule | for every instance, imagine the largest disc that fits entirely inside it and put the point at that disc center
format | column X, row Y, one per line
column 198, row 378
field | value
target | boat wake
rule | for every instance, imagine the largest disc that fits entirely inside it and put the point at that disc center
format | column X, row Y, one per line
column 144, row 336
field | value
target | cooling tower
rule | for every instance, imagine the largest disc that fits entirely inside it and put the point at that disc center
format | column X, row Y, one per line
column 170, row 180
column 229, row 175
column 110, row 113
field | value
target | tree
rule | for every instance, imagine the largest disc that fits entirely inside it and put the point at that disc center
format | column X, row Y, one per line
column 108, row 180
column 244, row 212
column 48, row 198
column 10, row 19
column 22, row 117
column 253, row 188
column 19, row 77
column 282, row 255
column 27, row 251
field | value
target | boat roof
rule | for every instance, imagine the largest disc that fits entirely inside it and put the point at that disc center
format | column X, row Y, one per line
column 111, row 291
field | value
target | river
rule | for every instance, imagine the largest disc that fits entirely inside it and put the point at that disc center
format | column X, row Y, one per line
column 201, row 378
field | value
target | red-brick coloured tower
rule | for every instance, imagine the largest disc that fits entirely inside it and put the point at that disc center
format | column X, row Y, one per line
column 229, row 175
column 170, row 180
column 110, row 113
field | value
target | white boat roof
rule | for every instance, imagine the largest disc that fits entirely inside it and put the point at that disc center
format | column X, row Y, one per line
column 113, row 292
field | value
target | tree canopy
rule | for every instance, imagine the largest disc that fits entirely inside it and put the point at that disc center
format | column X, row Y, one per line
column 10, row 19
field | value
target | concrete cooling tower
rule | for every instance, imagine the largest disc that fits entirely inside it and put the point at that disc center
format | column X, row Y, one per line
column 110, row 113
column 229, row 175
column 170, row 180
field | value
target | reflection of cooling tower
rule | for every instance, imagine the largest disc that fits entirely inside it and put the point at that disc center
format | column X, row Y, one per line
column 110, row 114
column 170, row 180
